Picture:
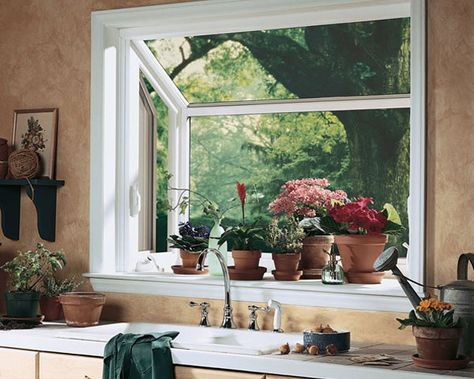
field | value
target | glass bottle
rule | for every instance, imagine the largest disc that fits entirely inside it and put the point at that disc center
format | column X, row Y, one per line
column 214, row 235
column 332, row 273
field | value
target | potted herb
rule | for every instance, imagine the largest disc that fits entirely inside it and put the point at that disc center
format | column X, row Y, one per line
column 191, row 241
column 287, row 241
column 26, row 273
column 437, row 332
column 52, row 288
column 361, row 235
column 308, row 201
column 244, row 239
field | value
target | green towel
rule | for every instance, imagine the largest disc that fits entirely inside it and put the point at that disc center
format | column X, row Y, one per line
column 139, row 356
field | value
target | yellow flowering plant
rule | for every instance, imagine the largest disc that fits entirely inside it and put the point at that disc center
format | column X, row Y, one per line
column 431, row 313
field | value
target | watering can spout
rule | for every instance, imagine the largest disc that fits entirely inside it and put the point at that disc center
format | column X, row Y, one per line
column 388, row 261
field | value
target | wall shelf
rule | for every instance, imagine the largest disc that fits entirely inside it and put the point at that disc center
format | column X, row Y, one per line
column 43, row 194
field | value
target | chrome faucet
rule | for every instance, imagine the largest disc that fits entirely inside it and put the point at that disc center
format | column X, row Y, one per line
column 253, row 323
column 273, row 304
column 228, row 319
column 204, row 307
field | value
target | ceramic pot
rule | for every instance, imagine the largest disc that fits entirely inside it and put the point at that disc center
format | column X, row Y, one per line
column 286, row 261
column 22, row 304
column 246, row 259
column 358, row 254
column 189, row 258
column 437, row 343
column 82, row 308
column 313, row 257
column 50, row 308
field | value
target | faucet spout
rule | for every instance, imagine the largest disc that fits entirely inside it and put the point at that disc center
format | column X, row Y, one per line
column 228, row 319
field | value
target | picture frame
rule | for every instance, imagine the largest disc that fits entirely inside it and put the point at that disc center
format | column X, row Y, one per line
column 37, row 130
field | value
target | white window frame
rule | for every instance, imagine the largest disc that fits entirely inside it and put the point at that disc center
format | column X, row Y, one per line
column 118, row 54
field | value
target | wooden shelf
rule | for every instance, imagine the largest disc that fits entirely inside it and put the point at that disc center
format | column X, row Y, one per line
column 43, row 194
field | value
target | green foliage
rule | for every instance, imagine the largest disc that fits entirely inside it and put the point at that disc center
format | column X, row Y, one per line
column 243, row 237
column 189, row 243
column 434, row 319
column 286, row 239
column 28, row 269
column 53, row 287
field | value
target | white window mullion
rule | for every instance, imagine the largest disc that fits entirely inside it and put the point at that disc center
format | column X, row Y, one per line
column 330, row 104
column 173, row 168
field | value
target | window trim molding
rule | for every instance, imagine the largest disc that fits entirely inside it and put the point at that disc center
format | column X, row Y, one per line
column 114, row 49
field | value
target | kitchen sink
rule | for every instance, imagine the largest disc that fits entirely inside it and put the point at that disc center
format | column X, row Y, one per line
column 235, row 341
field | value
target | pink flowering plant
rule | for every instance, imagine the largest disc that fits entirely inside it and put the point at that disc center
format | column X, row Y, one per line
column 358, row 217
column 308, row 201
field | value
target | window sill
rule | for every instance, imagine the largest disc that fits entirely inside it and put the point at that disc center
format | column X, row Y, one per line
column 387, row 296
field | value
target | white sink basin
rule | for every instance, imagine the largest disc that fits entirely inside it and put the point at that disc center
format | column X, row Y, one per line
column 194, row 337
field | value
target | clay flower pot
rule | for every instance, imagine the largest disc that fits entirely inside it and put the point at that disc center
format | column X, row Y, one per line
column 246, row 259
column 82, row 308
column 50, row 308
column 437, row 343
column 189, row 258
column 358, row 254
column 313, row 257
column 286, row 266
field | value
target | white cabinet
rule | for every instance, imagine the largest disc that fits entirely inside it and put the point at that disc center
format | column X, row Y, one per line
column 18, row 364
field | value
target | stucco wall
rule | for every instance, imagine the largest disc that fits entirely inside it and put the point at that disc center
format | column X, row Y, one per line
column 45, row 62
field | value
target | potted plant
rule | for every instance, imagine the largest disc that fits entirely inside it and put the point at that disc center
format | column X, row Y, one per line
column 361, row 235
column 191, row 241
column 244, row 238
column 308, row 201
column 26, row 273
column 437, row 332
column 51, row 289
column 287, row 242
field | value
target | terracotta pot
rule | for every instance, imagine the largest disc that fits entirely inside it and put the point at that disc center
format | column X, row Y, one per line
column 50, row 308
column 313, row 257
column 289, row 276
column 286, row 261
column 437, row 343
column 246, row 259
column 358, row 254
column 189, row 258
column 82, row 308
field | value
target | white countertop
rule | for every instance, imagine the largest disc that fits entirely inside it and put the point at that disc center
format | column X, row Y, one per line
column 44, row 339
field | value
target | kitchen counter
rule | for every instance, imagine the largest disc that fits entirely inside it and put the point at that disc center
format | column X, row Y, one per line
column 45, row 338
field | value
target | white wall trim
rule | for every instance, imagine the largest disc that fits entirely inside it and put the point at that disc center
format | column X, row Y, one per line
column 386, row 297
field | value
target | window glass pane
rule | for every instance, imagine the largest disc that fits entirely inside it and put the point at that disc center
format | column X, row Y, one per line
column 365, row 153
column 161, row 167
column 363, row 58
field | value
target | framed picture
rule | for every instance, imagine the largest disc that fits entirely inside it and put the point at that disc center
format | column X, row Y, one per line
column 36, row 130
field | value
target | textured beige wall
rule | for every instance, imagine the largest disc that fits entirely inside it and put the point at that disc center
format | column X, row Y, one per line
column 45, row 62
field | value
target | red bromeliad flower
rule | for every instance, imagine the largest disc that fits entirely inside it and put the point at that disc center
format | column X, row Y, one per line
column 242, row 191
column 357, row 215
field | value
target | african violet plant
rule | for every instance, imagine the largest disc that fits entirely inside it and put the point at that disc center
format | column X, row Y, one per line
column 190, row 238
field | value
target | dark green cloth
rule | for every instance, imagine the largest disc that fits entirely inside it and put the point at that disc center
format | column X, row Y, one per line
column 139, row 356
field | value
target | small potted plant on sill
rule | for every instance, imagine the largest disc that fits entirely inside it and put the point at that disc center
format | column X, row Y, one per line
column 437, row 332
column 245, row 238
column 52, row 288
column 308, row 200
column 287, row 241
column 361, row 235
column 26, row 273
column 191, row 241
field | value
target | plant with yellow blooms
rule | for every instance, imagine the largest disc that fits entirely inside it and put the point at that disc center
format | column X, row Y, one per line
column 431, row 313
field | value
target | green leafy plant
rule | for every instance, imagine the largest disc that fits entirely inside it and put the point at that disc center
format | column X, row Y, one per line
column 189, row 243
column 286, row 239
column 53, row 287
column 431, row 313
column 243, row 236
column 29, row 268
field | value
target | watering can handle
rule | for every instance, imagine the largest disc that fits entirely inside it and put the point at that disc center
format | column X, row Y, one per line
column 462, row 265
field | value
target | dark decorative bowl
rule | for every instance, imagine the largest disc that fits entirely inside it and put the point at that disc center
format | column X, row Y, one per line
column 341, row 339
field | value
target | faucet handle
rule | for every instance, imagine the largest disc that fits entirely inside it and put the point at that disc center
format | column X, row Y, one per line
column 253, row 324
column 204, row 306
